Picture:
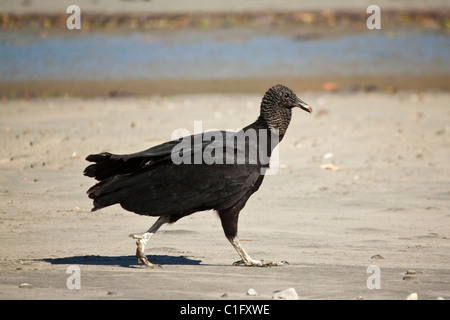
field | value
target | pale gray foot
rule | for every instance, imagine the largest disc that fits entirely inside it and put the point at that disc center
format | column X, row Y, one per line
column 248, row 261
column 260, row 263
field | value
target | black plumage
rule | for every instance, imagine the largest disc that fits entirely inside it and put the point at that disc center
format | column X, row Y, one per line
column 175, row 179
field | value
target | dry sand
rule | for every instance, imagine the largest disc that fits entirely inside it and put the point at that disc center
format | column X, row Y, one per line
column 388, row 204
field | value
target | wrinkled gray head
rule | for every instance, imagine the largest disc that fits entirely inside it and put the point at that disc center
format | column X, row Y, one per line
column 276, row 107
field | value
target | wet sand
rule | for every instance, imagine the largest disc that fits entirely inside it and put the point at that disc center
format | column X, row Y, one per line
column 387, row 204
column 142, row 88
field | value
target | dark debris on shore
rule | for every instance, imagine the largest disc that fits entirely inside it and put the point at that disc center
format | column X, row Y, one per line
column 436, row 20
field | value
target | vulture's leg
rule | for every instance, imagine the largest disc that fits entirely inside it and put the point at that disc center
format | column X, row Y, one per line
column 141, row 241
column 229, row 219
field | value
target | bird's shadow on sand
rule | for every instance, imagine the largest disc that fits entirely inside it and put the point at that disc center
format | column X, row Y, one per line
column 122, row 261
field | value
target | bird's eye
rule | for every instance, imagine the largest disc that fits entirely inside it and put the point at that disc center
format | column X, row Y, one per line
column 286, row 95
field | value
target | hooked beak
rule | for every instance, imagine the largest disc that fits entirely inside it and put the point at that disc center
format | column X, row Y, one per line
column 304, row 106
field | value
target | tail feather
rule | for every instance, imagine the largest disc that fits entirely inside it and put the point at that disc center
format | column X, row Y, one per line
column 108, row 165
column 106, row 193
column 120, row 188
column 130, row 179
column 120, row 177
column 110, row 170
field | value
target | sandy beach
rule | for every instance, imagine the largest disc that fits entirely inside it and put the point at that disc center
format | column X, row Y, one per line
column 387, row 204
column 363, row 182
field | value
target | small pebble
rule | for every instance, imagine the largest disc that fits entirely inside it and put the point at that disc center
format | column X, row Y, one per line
column 328, row 155
column 252, row 292
column 25, row 286
column 288, row 294
column 412, row 296
column 329, row 166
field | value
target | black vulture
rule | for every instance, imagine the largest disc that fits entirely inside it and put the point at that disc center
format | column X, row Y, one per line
column 216, row 170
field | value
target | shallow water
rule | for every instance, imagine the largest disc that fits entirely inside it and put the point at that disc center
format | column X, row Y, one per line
column 213, row 54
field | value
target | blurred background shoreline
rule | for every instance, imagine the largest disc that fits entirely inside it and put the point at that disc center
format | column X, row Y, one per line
column 127, row 48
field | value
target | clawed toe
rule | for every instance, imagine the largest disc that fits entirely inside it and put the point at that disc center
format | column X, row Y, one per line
column 260, row 263
column 143, row 260
column 141, row 257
